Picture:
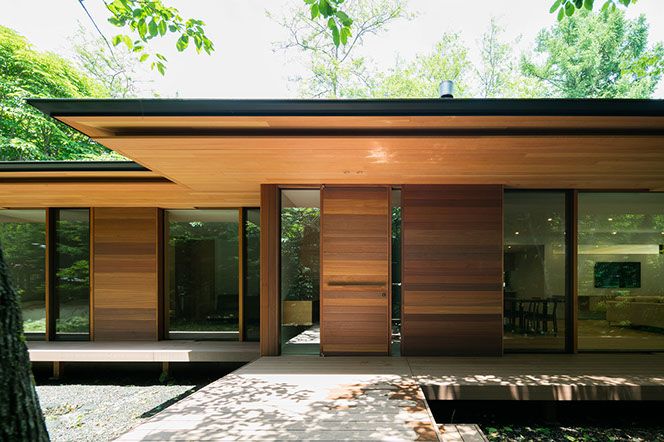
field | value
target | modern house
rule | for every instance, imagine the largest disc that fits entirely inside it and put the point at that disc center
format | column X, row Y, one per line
column 378, row 227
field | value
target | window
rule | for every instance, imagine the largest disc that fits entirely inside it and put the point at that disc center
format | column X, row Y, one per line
column 72, row 273
column 534, row 271
column 620, row 268
column 300, row 271
column 23, row 243
column 252, row 270
column 202, row 273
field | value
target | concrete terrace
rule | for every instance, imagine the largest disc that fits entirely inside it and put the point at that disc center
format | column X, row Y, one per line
column 382, row 398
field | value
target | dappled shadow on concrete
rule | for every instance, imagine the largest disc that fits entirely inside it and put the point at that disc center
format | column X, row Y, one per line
column 364, row 398
column 283, row 404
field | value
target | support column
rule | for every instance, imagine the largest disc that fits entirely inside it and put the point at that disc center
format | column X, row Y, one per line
column 269, row 296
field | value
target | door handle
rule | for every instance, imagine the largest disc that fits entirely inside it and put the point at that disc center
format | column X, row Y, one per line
column 383, row 295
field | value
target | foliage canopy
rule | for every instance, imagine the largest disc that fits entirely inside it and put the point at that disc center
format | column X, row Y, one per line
column 25, row 133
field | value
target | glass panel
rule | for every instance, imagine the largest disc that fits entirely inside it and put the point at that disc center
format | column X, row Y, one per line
column 72, row 273
column 300, row 271
column 621, row 263
column 252, row 270
column 396, row 271
column 202, row 274
column 23, row 243
column 534, row 266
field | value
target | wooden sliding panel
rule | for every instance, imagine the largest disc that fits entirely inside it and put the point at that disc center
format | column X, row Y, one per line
column 355, row 270
column 452, row 270
column 269, row 264
column 127, row 273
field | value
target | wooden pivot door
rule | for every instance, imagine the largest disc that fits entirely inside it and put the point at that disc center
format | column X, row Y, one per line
column 355, row 270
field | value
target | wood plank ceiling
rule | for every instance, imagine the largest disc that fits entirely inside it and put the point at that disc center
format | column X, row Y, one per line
column 222, row 161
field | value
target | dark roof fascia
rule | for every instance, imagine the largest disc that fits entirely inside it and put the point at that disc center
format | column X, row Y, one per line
column 71, row 166
column 397, row 107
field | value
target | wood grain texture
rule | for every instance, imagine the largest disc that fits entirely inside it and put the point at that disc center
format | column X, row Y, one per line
column 270, row 312
column 522, row 161
column 355, row 270
column 452, row 270
column 126, row 273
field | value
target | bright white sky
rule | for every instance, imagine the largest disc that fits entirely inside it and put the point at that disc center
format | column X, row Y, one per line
column 244, row 64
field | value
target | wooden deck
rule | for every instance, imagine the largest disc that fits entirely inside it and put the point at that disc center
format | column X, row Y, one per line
column 381, row 398
column 143, row 351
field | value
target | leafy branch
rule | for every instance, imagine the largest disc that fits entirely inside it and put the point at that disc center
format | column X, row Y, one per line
column 338, row 22
column 566, row 8
column 149, row 19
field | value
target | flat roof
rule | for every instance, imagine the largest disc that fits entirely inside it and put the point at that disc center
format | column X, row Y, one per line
column 71, row 166
column 373, row 107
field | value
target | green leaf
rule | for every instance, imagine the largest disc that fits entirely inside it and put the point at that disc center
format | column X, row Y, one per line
column 314, row 11
column 335, row 36
column 331, row 23
column 142, row 28
column 554, row 6
column 127, row 41
column 344, row 35
column 117, row 39
column 162, row 28
column 561, row 14
column 324, row 8
column 144, row 57
column 345, row 19
column 161, row 68
column 569, row 9
column 588, row 4
column 152, row 28
column 182, row 42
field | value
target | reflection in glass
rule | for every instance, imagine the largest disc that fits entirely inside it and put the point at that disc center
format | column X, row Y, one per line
column 534, row 271
column 620, row 273
column 396, row 271
column 72, row 273
column 202, row 260
column 23, row 243
column 252, row 275
column 300, row 271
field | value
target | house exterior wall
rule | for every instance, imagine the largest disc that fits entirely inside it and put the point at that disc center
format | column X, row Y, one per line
column 452, row 270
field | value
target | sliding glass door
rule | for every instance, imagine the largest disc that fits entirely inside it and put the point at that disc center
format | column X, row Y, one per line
column 71, row 266
column 23, row 243
column 534, row 250
column 621, row 271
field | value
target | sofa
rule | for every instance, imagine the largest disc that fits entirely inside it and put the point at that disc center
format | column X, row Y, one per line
column 641, row 311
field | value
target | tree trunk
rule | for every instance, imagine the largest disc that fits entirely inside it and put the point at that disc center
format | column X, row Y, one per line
column 21, row 417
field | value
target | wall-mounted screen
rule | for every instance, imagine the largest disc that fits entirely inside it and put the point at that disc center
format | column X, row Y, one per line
column 618, row 275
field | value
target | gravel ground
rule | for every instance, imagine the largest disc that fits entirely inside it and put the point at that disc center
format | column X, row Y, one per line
column 573, row 434
column 100, row 402
column 102, row 412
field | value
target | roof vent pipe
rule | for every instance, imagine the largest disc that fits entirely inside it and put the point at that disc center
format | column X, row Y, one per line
column 446, row 89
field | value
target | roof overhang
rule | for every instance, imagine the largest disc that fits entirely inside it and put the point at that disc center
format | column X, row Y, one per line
column 229, row 147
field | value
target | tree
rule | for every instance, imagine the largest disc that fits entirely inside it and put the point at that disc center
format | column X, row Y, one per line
column 336, row 71
column 498, row 72
column 600, row 55
column 26, row 133
column 447, row 61
column 21, row 417
column 118, row 71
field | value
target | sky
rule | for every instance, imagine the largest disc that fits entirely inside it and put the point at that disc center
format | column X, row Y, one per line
column 245, row 64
